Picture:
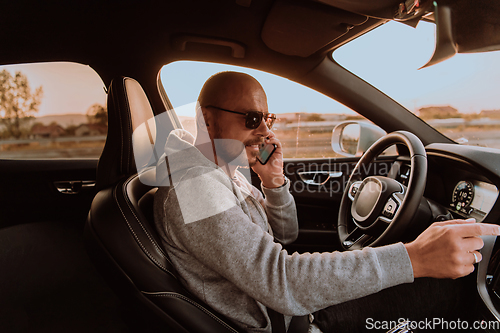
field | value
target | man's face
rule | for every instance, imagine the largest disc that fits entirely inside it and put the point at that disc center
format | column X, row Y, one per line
column 248, row 96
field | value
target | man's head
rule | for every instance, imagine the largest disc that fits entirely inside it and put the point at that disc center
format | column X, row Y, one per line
column 240, row 93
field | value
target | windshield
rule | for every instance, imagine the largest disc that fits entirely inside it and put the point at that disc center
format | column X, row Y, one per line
column 458, row 97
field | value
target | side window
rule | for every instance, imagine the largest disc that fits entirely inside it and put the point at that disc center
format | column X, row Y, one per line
column 305, row 121
column 51, row 110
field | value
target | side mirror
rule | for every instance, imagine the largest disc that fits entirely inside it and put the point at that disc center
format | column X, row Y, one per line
column 353, row 138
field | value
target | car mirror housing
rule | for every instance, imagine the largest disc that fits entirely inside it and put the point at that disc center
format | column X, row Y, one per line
column 353, row 138
column 465, row 27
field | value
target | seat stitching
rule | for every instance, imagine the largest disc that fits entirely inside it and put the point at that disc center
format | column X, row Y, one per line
column 129, row 137
column 115, row 99
column 144, row 229
column 170, row 294
column 139, row 241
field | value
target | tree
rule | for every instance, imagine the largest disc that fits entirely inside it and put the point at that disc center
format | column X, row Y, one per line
column 17, row 102
column 97, row 114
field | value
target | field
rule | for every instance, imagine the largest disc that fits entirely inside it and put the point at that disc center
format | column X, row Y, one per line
column 73, row 147
column 296, row 144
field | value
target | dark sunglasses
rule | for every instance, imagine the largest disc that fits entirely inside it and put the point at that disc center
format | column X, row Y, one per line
column 252, row 118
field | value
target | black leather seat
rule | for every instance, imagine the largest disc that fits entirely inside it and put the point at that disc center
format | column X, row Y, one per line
column 120, row 235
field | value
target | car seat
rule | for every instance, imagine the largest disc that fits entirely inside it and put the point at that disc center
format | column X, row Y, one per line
column 119, row 233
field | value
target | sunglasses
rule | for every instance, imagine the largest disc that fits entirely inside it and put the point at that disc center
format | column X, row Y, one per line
column 253, row 119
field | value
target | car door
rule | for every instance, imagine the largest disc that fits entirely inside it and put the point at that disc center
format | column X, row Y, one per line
column 52, row 131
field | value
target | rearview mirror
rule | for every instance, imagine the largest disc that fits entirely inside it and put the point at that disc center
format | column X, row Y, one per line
column 465, row 26
column 353, row 138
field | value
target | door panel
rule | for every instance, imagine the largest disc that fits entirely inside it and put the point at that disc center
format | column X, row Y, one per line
column 29, row 192
column 48, row 282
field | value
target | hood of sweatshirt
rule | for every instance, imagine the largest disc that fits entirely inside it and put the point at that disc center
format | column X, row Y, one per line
column 180, row 155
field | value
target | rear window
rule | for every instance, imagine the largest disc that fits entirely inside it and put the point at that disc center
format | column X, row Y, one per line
column 51, row 110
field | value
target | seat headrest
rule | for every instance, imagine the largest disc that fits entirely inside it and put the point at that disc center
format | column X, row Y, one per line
column 131, row 132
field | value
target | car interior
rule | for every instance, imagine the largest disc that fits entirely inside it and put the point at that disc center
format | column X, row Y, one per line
column 78, row 247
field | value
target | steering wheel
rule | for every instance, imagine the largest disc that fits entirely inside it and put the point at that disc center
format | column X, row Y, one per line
column 377, row 210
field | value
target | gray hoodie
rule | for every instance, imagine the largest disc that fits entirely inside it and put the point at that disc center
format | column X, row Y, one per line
column 224, row 238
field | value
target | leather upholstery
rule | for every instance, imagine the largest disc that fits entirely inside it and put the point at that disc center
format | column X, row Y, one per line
column 129, row 116
column 120, row 234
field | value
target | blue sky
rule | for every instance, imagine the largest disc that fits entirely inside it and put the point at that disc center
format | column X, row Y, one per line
column 283, row 95
column 469, row 82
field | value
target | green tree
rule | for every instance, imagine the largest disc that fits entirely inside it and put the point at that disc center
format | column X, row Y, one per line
column 97, row 114
column 17, row 102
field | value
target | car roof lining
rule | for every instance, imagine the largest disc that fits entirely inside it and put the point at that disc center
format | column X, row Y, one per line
column 300, row 29
column 146, row 32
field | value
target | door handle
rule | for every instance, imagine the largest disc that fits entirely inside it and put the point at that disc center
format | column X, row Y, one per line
column 318, row 177
column 73, row 186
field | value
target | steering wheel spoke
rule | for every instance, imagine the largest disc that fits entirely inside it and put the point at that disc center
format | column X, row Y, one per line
column 355, row 239
column 391, row 208
column 353, row 189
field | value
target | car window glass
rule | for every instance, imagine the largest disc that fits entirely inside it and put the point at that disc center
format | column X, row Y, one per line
column 305, row 121
column 458, row 97
column 51, row 110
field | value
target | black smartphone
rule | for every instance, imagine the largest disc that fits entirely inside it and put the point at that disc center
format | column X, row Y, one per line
column 265, row 151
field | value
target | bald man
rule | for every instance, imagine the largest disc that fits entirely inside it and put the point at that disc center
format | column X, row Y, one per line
column 225, row 237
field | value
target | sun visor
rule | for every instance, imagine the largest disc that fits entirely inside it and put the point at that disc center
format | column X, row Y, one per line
column 301, row 28
column 384, row 9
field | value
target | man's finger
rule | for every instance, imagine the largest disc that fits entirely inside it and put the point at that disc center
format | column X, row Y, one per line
column 468, row 221
column 477, row 229
column 472, row 243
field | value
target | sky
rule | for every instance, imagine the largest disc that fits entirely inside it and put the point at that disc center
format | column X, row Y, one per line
column 67, row 87
column 469, row 82
column 387, row 57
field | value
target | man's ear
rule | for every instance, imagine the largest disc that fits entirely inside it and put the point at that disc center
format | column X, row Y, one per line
column 209, row 118
column 201, row 116
column 207, row 115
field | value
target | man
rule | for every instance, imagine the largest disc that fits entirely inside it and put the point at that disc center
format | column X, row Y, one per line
column 223, row 236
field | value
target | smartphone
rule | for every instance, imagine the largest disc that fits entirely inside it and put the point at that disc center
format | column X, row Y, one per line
column 265, row 151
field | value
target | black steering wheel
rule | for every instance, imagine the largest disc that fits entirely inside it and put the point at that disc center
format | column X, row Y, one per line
column 377, row 210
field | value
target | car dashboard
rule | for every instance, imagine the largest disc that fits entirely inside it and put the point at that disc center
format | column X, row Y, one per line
column 465, row 180
column 473, row 198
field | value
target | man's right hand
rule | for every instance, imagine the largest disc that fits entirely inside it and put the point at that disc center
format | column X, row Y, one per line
column 446, row 249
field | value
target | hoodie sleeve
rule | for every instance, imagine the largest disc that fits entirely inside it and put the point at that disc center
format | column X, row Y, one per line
column 281, row 213
column 205, row 220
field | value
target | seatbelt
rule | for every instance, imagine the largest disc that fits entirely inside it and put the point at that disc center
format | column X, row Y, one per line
column 277, row 321
column 299, row 324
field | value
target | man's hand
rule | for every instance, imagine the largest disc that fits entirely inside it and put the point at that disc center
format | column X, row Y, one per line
column 449, row 249
column 271, row 174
